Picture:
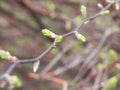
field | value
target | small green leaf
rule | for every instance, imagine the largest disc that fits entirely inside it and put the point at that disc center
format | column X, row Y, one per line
column 4, row 54
column 80, row 36
column 106, row 12
column 59, row 39
column 48, row 33
column 15, row 82
column 83, row 10
column 110, row 84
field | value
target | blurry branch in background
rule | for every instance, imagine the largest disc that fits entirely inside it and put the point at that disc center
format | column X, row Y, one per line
column 50, row 78
column 57, row 40
column 92, row 55
column 42, row 11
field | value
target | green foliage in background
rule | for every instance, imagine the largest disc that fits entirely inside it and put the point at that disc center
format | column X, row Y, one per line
column 15, row 82
column 110, row 84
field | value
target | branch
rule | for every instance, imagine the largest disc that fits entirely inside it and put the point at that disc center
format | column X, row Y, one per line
column 25, row 61
column 12, row 67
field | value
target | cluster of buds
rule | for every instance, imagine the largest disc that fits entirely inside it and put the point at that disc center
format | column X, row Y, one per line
column 57, row 38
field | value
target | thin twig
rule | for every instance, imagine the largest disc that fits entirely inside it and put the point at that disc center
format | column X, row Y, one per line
column 55, row 59
column 10, row 69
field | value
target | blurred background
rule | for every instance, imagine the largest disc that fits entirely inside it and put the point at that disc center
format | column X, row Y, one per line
column 82, row 65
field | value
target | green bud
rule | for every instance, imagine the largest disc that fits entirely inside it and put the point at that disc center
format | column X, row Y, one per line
column 83, row 10
column 59, row 39
column 106, row 12
column 4, row 54
column 48, row 33
column 80, row 36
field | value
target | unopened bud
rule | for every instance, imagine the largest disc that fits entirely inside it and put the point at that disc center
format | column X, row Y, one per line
column 80, row 36
column 100, row 5
column 48, row 33
column 83, row 11
column 59, row 39
column 36, row 66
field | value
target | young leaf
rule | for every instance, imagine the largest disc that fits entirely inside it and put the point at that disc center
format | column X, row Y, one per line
column 83, row 10
column 36, row 66
column 80, row 36
column 48, row 33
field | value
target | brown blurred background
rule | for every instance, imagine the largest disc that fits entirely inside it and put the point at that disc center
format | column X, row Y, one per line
column 21, row 22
